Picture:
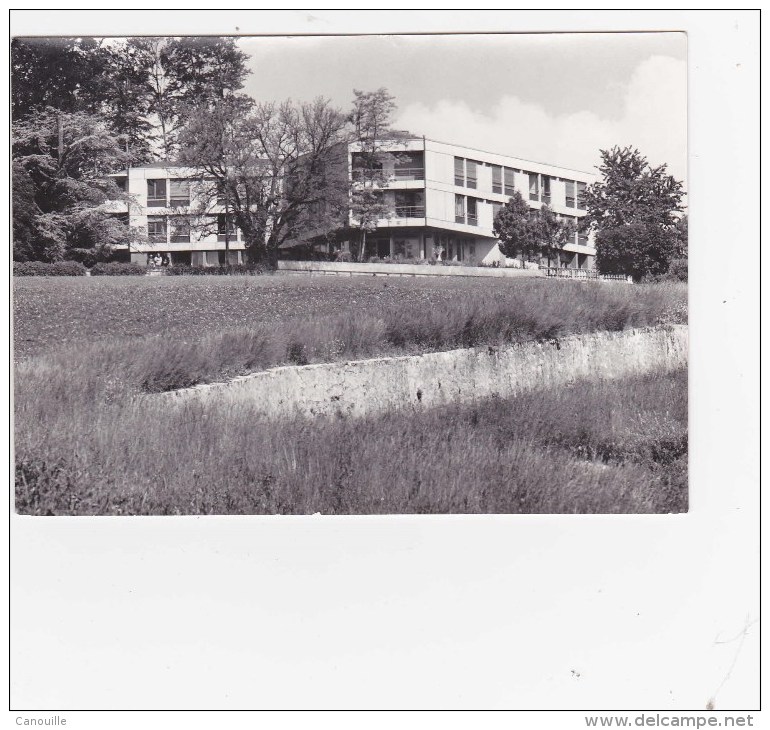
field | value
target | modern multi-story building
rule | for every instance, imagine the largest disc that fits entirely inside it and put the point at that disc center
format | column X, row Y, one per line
column 441, row 198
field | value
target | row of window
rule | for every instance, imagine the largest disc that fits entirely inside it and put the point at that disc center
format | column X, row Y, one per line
column 466, row 212
column 159, row 227
column 466, row 175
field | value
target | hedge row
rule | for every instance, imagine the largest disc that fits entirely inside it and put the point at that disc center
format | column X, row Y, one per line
column 184, row 270
column 41, row 268
column 115, row 268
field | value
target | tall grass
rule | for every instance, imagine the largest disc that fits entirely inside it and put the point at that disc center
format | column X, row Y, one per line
column 616, row 446
column 528, row 311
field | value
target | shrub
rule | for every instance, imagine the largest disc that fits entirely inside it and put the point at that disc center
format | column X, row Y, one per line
column 114, row 268
column 637, row 249
column 343, row 257
column 228, row 270
column 677, row 270
column 41, row 268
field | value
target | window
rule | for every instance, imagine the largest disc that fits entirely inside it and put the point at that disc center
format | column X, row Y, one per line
column 497, row 179
column 496, row 207
column 472, row 212
column 534, row 186
column 180, row 193
column 409, row 204
column 156, row 193
column 582, row 233
column 221, row 193
column 570, row 193
column 409, row 166
column 459, row 171
column 546, row 189
column 471, row 173
column 459, row 209
column 225, row 227
column 581, row 196
column 180, row 231
column 508, row 175
column 156, row 228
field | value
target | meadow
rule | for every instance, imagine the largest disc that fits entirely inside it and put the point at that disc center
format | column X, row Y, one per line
column 91, row 438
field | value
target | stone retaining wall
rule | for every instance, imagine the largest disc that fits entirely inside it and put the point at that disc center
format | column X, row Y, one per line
column 370, row 386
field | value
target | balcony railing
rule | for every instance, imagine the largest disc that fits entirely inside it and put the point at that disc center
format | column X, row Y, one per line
column 409, row 173
column 410, row 211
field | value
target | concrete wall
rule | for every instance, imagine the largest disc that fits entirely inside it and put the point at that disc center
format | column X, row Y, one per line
column 374, row 386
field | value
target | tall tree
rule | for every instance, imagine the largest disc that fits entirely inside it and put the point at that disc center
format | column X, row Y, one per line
column 278, row 165
column 189, row 73
column 634, row 210
column 515, row 228
column 370, row 118
column 127, row 100
column 61, row 166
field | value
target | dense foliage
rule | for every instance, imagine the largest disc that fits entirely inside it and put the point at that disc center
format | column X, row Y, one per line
column 635, row 210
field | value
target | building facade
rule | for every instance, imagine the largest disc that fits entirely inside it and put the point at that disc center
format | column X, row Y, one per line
column 163, row 198
column 441, row 201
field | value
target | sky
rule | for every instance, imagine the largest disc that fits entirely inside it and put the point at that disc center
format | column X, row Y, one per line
column 556, row 98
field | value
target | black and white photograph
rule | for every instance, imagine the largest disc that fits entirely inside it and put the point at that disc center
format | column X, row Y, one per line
column 359, row 360
column 351, row 287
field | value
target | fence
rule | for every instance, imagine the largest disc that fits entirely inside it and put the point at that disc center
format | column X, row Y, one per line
column 581, row 274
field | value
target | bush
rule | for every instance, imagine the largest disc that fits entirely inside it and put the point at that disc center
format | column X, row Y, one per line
column 229, row 269
column 41, row 268
column 677, row 270
column 344, row 257
column 636, row 249
column 114, row 268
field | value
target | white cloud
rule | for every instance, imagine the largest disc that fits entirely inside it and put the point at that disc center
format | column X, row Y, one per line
column 652, row 117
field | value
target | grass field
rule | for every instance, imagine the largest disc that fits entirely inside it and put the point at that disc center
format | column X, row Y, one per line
column 166, row 333
column 90, row 440
column 594, row 447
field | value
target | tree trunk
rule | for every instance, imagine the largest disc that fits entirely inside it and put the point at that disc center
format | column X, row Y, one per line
column 362, row 252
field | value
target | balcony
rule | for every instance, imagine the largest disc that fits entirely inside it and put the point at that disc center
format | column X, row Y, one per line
column 410, row 211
